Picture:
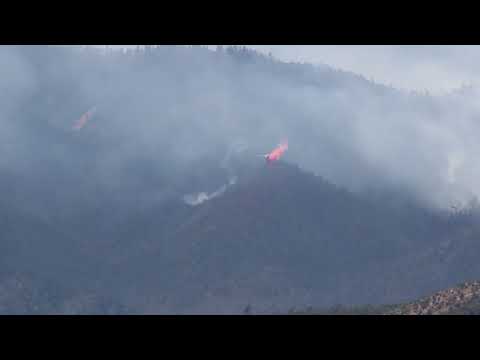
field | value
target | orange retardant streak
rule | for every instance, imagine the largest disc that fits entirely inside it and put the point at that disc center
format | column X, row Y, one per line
column 277, row 152
column 84, row 119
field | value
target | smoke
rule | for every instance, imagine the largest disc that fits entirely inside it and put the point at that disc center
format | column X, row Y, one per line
column 17, row 83
column 438, row 68
column 235, row 148
column 164, row 110
column 199, row 198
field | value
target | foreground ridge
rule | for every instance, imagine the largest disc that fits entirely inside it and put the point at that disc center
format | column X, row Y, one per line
column 464, row 299
column 461, row 300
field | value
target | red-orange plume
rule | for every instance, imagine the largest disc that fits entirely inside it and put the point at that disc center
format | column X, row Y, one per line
column 278, row 151
column 80, row 123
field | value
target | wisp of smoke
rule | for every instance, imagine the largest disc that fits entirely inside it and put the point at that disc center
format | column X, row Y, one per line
column 199, row 198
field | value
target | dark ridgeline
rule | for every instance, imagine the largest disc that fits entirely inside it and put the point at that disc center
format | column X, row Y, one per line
column 92, row 221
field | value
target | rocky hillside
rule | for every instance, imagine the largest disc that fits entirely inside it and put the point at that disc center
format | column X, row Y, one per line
column 461, row 300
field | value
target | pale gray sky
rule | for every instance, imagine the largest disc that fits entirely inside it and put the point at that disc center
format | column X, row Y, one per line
column 437, row 68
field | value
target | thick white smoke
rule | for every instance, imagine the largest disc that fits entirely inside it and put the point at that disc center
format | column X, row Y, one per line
column 352, row 132
column 199, row 198
column 235, row 149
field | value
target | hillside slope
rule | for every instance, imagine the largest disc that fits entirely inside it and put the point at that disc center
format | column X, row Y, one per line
column 282, row 237
column 463, row 299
